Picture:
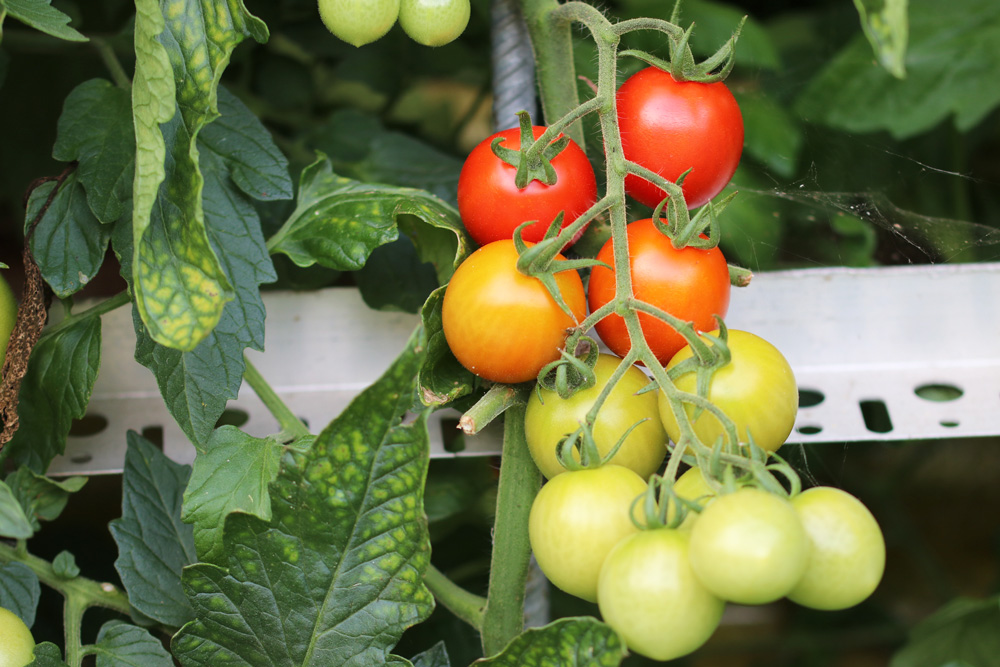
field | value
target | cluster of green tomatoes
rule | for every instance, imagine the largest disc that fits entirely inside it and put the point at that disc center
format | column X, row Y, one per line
column 660, row 557
column 427, row 22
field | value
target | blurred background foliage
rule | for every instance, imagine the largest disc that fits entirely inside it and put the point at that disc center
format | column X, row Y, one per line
column 846, row 164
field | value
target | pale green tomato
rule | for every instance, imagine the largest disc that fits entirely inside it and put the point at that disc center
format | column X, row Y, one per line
column 756, row 389
column 691, row 486
column 649, row 594
column 359, row 22
column 749, row 547
column 548, row 418
column 8, row 315
column 434, row 22
column 17, row 646
column 847, row 557
column 576, row 519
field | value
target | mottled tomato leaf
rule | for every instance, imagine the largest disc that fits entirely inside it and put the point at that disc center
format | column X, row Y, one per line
column 338, row 222
column 442, row 379
column 568, row 642
column 154, row 544
column 231, row 474
column 963, row 631
column 179, row 283
column 19, row 591
column 69, row 243
column 55, row 391
column 43, row 498
column 951, row 66
column 335, row 576
column 41, row 15
column 95, row 129
column 122, row 645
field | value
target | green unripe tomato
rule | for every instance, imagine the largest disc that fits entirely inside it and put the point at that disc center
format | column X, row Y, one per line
column 548, row 418
column 434, row 22
column 359, row 22
column 749, row 547
column 17, row 646
column 575, row 521
column 8, row 315
column 691, row 486
column 847, row 557
column 648, row 593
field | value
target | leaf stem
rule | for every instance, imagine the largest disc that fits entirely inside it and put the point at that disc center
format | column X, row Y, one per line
column 110, row 60
column 503, row 616
column 494, row 402
column 98, row 309
column 289, row 423
column 465, row 605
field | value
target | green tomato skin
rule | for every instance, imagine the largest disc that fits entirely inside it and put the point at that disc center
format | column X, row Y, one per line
column 756, row 389
column 749, row 547
column 17, row 646
column 548, row 418
column 847, row 556
column 575, row 521
column 691, row 485
column 8, row 315
column 648, row 592
column 434, row 22
column 359, row 22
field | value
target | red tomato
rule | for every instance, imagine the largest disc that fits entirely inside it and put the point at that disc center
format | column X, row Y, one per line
column 691, row 284
column 670, row 127
column 503, row 325
column 492, row 207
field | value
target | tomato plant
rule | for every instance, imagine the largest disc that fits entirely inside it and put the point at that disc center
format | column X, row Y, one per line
column 847, row 550
column 502, row 325
column 649, row 594
column 576, row 519
column 8, row 315
column 749, row 547
column 17, row 646
column 691, row 284
column 756, row 389
column 492, row 206
column 671, row 127
column 359, row 22
column 434, row 22
column 549, row 418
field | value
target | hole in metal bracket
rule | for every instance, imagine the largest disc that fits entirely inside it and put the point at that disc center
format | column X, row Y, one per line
column 810, row 397
column 452, row 437
column 938, row 392
column 876, row 416
column 949, row 423
column 89, row 424
column 81, row 458
column 154, row 434
column 809, row 429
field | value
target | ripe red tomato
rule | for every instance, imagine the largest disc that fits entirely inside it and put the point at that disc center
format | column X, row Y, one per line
column 491, row 206
column 670, row 127
column 503, row 325
column 690, row 283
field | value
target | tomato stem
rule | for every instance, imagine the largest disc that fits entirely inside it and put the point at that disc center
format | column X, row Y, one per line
column 465, row 605
column 289, row 423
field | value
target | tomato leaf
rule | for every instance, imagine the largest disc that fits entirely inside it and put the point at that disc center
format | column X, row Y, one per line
column 231, row 474
column 69, row 243
column 41, row 15
column 772, row 135
column 123, row 644
column 95, row 129
column 47, row 654
column 435, row 656
column 42, row 498
column 963, row 631
column 179, row 285
column 19, row 591
column 342, row 555
column 951, row 64
column 442, row 378
column 569, row 642
column 190, row 382
column 13, row 521
column 153, row 543
column 887, row 29
column 338, row 222
column 64, row 565
column 55, row 391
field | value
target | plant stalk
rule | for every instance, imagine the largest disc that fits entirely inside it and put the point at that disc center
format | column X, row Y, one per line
column 289, row 423
column 465, row 605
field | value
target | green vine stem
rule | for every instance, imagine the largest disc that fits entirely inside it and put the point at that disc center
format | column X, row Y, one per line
column 494, row 403
column 290, row 425
column 465, row 605
column 98, row 309
column 503, row 617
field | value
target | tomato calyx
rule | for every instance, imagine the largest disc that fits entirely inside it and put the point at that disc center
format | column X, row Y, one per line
column 682, row 64
column 574, row 370
column 533, row 160
column 662, row 506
